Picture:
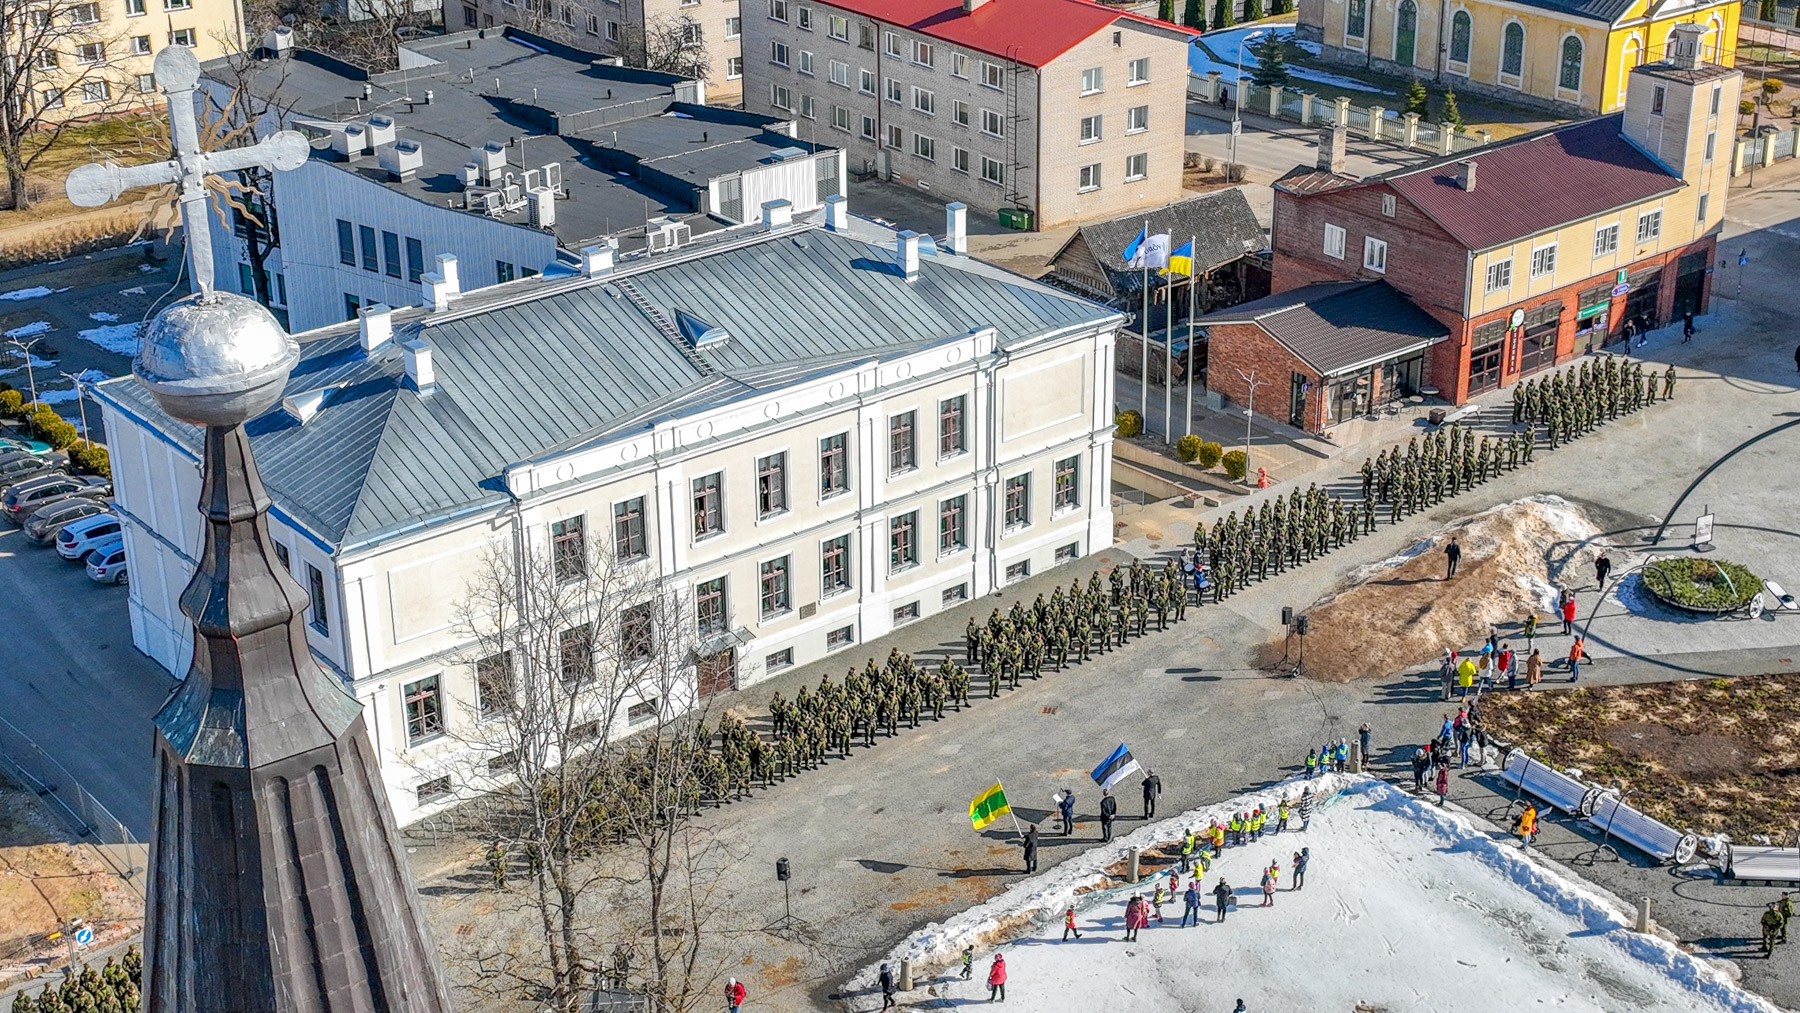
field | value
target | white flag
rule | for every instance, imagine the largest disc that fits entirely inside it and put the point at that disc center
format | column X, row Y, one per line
column 1153, row 252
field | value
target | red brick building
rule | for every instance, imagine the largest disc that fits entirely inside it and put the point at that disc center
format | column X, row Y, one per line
column 1529, row 251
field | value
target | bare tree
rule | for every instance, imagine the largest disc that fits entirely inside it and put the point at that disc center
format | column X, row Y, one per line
column 53, row 57
column 367, row 33
column 248, row 103
column 584, row 768
column 672, row 44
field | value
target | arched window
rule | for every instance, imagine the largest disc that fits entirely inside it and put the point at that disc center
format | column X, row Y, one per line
column 1569, row 76
column 1633, row 55
column 1406, row 30
column 1512, row 49
column 1459, row 37
column 1709, row 42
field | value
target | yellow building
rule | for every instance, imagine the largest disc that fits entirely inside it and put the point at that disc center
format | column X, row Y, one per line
column 1571, row 57
column 92, row 57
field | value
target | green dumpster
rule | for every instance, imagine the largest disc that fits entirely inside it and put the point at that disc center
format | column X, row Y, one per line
column 1016, row 218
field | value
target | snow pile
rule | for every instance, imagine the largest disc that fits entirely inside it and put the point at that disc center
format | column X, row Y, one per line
column 1406, row 906
column 35, row 361
column 104, row 318
column 118, row 338
column 27, row 330
column 21, row 294
column 61, row 396
column 133, row 290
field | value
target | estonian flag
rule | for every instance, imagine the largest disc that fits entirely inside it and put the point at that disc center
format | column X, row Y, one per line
column 1147, row 251
column 1182, row 261
column 1114, row 768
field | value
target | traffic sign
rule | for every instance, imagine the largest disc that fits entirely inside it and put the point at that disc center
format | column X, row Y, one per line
column 84, row 936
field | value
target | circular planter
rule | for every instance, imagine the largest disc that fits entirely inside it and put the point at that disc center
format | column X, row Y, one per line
column 1693, row 584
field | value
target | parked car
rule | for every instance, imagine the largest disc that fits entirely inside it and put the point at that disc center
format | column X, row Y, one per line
column 90, row 535
column 38, row 447
column 107, row 566
column 47, row 521
column 21, row 465
column 26, row 497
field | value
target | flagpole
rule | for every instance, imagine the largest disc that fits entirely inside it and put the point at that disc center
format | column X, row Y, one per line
column 1015, row 816
column 1168, row 348
column 1187, row 425
column 1144, row 326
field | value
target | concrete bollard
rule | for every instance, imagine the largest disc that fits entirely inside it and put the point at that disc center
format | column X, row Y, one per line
column 1643, row 915
column 1131, row 870
column 906, row 975
column 1356, row 758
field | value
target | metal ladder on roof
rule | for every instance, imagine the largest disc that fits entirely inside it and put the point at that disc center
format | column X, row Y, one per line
column 665, row 325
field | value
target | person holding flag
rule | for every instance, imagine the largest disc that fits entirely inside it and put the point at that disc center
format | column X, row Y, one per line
column 1115, row 768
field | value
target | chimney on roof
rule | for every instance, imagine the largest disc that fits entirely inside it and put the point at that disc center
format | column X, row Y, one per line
column 441, row 284
column 970, row 5
column 1332, row 141
column 377, row 325
column 777, row 214
column 418, row 365
column 596, row 260
column 1686, row 45
column 837, row 212
column 906, row 244
column 446, row 263
column 1465, row 174
column 956, row 227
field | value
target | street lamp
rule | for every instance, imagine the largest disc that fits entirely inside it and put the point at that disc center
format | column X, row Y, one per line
column 1237, row 124
column 1252, row 382
column 80, row 402
column 25, row 348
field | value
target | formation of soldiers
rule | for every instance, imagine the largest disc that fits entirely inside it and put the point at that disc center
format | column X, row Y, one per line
column 111, row 989
column 1284, row 532
column 1576, row 401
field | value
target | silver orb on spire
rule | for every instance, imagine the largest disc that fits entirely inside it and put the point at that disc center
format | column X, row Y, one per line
column 215, row 359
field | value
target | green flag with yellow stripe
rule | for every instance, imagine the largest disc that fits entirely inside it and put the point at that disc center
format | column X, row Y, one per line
column 989, row 806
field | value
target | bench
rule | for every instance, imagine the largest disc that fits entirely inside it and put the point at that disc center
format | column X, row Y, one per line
column 1762, row 864
column 1779, row 600
column 1466, row 412
column 1617, row 819
column 1556, row 788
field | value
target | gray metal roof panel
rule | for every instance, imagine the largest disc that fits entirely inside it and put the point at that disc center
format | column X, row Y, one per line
column 1332, row 326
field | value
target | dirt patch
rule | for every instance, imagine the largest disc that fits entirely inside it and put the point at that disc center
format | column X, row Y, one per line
column 1401, row 613
column 1707, row 755
column 46, row 879
column 931, row 897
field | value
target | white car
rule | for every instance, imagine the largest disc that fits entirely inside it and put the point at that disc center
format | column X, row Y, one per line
column 106, row 565
column 74, row 542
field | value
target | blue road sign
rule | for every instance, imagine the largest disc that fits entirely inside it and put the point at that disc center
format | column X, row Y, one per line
column 84, row 936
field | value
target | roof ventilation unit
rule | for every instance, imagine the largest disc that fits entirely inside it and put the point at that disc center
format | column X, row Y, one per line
column 402, row 160
column 665, row 234
column 542, row 202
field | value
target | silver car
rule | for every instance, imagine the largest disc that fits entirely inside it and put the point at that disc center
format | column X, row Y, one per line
column 107, row 565
column 84, row 536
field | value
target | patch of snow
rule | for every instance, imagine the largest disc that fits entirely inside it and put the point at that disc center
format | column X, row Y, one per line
column 27, row 330
column 121, row 339
column 105, row 318
column 133, row 290
column 36, row 363
column 21, row 294
column 147, row 268
column 1220, row 51
column 1384, row 867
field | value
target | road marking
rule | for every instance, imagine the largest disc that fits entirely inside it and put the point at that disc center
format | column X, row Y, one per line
column 1175, row 733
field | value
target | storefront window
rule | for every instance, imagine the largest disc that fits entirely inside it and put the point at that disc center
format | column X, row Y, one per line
column 1486, row 356
column 1537, row 345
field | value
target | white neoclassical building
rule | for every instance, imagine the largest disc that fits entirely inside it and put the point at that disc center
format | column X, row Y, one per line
column 818, row 431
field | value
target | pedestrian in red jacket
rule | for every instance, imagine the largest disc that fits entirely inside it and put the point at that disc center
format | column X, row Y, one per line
column 1569, row 614
column 997, row 979
column 734, row 994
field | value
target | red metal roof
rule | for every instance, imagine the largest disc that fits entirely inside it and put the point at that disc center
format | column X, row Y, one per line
column 1032, row 32
column 1535, row 183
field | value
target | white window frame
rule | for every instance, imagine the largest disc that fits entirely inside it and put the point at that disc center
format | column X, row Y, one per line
column 1093, row 129
column 779, row 53
column 993, row 75
column 1093, row 80
column 1133, row 78
column 840, row 118
column 1499, row 275
column 839, row 73
column 924, row 147
column 838, row 28
column 959, row 112
column 1137, row 120
column 993, row 123
column 806, row 62
column 1088, row 178
column 959, row 65
column 734, row 27
column 780, row 96
column 959, row 160
column 1649, row 226
column 1606, row 239
column 865, row 81
column 924, row 54
column 1375, row 254
column 1334, row 241
column 892, row 46
column 778, row 11
column 1543, row 261
column 924, row 100
column 1142, row 166
column 993, row 171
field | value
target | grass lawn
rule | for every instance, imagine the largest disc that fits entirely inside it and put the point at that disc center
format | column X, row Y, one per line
column 1708, row 755
column 122, row 139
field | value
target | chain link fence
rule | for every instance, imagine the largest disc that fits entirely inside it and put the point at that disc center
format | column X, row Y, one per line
column 36, row 771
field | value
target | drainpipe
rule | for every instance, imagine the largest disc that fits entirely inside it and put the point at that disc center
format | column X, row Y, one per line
column 1443, row 17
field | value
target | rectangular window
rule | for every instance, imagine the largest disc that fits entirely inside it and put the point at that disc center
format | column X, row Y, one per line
column 840, row 73
column 1018, row 501
column 959, row 112
column 415, row 259
column 315, row 588
column 370, row 259
column 1091, row 129
column 44, row 58
column 494, row 684
column 993, row 170
column 1388, row 204
column 346, row 243
column 1499, row 276
column 840, row 118
column 133, row 8
column 1137, row 166
column 1089, row 178
column 896, row 137
column 865, row 81
column 628, row 530
column 902, row 448
column 868, row 128
column 390, row 254
column 865, row 37
column 993, row 75
column 734, row 67
column 734, row 27
column 843, row 636
column 834, row 566
column 1067, row 490
column 575, row 654
column 778, row 10
column 1016, row 572
column 807, row 109
column 903, row 542
column 351, row 304
column 503, row 271
column 993, row 123
column 1606, row 240
column 890, row 44
column 85, row 14
column 774, row 582
column 1137, row 119
column 1715, row 99
column 778, row 54
column 424, row 710
column 924, row 147
column 951, row 440
column 502, row 763
column 834, row 465
column 924, row 101
column 959, row 65
column 642, row 711
column 781, row 659
column 433, row 790
column 1656, row 101
column 895, row 93
column 281, row 554
column 612, row 31
column 906, row 613
column 140, row 45
column 1093, row 80
column 803, row 18
column 52, row 99
column 1064, row 553
column 771, row 485
column 637, row 633
column 1543, row 261
column 1375, row 255
column 90, row 52
column 953, row 521
column 1139, row 71
column 709, row 607
column 953, row 595
column 806, row 62
column 593, row 20
column 709, row 517
column 568, row 549
column 959, row 159
column 839, row 27
column 1710, row 138
column 1334, row 241
column 1649, row 226
column 182, row 37
column 1701, row 216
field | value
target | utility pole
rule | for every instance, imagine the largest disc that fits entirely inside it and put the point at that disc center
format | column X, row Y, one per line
column 1237, row 101
column 80, row 402
column 1252, row 382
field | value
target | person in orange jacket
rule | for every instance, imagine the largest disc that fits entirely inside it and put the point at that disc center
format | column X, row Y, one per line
column 1577, row 654
column 1526, row 828
column 997, row 979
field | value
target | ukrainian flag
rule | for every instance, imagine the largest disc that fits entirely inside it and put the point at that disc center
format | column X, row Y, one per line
column 1182, row 260
column 989, row 806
